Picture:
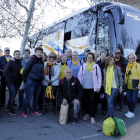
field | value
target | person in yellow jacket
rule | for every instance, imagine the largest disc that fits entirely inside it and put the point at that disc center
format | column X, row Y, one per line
column 63, row 65
column 132, row 73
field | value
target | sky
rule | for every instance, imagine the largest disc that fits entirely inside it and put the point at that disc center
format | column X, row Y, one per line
column 14, row 44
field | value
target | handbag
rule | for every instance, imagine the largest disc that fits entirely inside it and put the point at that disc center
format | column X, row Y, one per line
column 64, row 110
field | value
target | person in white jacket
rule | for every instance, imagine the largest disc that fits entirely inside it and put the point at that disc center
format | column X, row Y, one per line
column 51, row 77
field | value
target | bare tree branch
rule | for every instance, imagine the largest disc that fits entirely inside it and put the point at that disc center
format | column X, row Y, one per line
column 22, row 6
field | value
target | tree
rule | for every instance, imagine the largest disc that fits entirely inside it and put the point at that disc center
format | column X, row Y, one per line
column 24, row 18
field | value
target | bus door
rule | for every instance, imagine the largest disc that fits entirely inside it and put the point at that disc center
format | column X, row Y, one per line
column 103, row 34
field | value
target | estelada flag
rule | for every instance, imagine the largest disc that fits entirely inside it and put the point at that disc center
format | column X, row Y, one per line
column 49, row 93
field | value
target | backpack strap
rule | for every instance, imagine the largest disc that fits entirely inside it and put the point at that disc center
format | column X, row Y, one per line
column 62, row 81
column 81, row 65
column 96, row 70
column 74, row 80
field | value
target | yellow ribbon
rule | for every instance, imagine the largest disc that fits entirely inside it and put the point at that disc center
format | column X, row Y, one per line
column 75, row 63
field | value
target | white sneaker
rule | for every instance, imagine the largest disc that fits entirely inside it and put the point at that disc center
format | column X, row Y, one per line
column 86, row 117
column 92, row 120
column 130, row 115
column 127, row 113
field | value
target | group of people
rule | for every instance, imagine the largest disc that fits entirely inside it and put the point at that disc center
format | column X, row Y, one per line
column 80, row 83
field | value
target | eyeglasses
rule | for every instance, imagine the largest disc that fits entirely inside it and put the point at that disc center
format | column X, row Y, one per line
column 131, row 58
column 118, row 53
column 52, row 57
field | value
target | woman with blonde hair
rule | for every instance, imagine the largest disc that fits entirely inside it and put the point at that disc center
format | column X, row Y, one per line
column 51, row 77
column 132, row 79
column 112, row 82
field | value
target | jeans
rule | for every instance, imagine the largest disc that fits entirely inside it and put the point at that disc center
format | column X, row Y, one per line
column 90, row 102
column 74, row 109
column 52, row 102
column 21, row 98
column 131, row 98
column 44, row 106
column 13, row 88
column 110, row 100
column 121, row 100
column 3, row 89
column 33, row 88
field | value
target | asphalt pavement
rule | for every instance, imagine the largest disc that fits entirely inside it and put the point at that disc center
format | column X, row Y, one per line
column 47, row 127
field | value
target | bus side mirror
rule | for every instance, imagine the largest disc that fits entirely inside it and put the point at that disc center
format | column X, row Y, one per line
column 119, row 11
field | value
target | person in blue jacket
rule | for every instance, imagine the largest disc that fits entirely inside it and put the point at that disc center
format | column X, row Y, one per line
column 3, row 62
column 33, row 76
column 75, row 63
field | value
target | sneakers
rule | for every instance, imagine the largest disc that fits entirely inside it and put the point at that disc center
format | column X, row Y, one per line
column 20, row 107
column 52, row 111
column 92, row 120
column 103, row 112
column 130, row 115
column 86, row 117
column 121, row 109
column 12, row 113
column 44, row 111
column 127, row 113
column 24, row 115
column 36, row 113
column 7, row 109
column 74, row 120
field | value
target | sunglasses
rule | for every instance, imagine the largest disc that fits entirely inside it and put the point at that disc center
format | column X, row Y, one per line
column 118, row 53
column 52, row 57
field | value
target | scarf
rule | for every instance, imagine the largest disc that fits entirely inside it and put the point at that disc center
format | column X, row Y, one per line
column 109, row 78
column 89, row 66
column 131, row 65
column 75, row 63
column 117, row 59
column 48, row 67
column 7, row 59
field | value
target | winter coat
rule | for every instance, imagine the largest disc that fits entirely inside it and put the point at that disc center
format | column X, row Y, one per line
column 101, row 65
column 97, row 77
column 122, row 63
column 135, row 73
column 34, row 69
column 118, row 76
column 70, row 89
column 13, row 71
column 3, row 63
column 54, row 77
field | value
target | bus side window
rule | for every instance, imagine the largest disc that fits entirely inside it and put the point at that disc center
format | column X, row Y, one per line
column 103, row 41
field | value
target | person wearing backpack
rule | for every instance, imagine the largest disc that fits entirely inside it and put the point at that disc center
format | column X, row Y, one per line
column 132, row 75
column 3, row 62
column 13, row 80
column 70, row 91
column 91, row 79
column 75, row 63
column 112, row 82
column 33, row 76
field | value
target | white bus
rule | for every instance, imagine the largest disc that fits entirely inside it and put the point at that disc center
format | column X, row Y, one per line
column 105, row 26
